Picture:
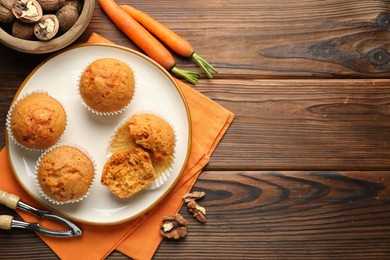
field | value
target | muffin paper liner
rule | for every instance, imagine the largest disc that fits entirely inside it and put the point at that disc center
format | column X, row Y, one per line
column 120, row 142
column 98, row 113
column 47, row 197
column 9, row 119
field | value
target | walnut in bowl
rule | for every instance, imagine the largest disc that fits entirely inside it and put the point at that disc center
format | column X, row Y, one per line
column 47, row 35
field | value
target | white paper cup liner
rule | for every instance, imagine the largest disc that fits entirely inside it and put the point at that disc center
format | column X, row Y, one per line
column 160, row 180
column 121, row 143
column 107, row 114
column 50, row 199
column 9, row 121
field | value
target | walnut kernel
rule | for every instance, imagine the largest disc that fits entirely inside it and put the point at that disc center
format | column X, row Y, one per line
column 174, row 227
column 28, row 11
column 46, row 28
column 193, row 196
column 198, row 211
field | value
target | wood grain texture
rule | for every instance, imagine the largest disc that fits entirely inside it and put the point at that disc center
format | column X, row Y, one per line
column 286, row 39
column 290, row 215
column 303, row 171
column 271, row 215
column 304, row 124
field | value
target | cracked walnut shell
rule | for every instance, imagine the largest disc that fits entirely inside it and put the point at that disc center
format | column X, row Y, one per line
column 28, row 11
column 46, row 28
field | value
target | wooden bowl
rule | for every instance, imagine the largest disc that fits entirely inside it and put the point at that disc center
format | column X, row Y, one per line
column 57, row 43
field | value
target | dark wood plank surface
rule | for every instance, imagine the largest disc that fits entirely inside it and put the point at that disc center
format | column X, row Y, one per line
column 303, row 171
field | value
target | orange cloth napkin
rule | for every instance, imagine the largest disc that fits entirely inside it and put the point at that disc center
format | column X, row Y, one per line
column 138, row 238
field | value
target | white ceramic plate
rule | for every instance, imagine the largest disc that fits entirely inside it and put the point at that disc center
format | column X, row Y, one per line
column 155, row 91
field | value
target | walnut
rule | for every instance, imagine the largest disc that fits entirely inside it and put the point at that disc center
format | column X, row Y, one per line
column 75, row 3
column 198, row 211
column 7, row 3
column 51, row 5
column 46, row 28
column 174, row 227
column 193, row 196
column 6, row 15
column 67, row 17
column 23, row 30
column 28, row 11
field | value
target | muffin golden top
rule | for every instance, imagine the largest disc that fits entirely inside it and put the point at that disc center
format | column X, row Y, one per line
column 65, row 173
column 38, row 121
column 152, row 133
column 107, row 85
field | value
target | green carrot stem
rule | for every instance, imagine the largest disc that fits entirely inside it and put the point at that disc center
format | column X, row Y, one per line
column 204, row 65
column 190, row 76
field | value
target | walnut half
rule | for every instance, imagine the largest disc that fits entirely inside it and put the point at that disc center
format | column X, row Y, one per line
column 198, row 211
column 28, row 11
column 193, row 196
column 174, row 227
column 47, row 27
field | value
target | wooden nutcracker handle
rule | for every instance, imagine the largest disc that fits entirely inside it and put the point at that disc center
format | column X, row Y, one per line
column 9, row 200
column 6, row 222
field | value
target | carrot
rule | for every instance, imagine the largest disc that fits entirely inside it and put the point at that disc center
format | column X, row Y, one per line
column 171, row 39
column 144, row 40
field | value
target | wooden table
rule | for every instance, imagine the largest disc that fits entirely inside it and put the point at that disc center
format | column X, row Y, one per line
column 304, row 169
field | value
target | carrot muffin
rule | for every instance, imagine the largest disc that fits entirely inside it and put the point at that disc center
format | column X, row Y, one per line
column 154, row 134
column 65, row 174
column 127, row 172
column 107, row 85
column 150, row 133
column 37, row 121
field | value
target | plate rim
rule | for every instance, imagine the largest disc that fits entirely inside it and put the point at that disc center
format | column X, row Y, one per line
column 170, row 188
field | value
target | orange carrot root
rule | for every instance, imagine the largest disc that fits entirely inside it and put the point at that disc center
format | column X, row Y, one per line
column 167, row 36
column 178, row 44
